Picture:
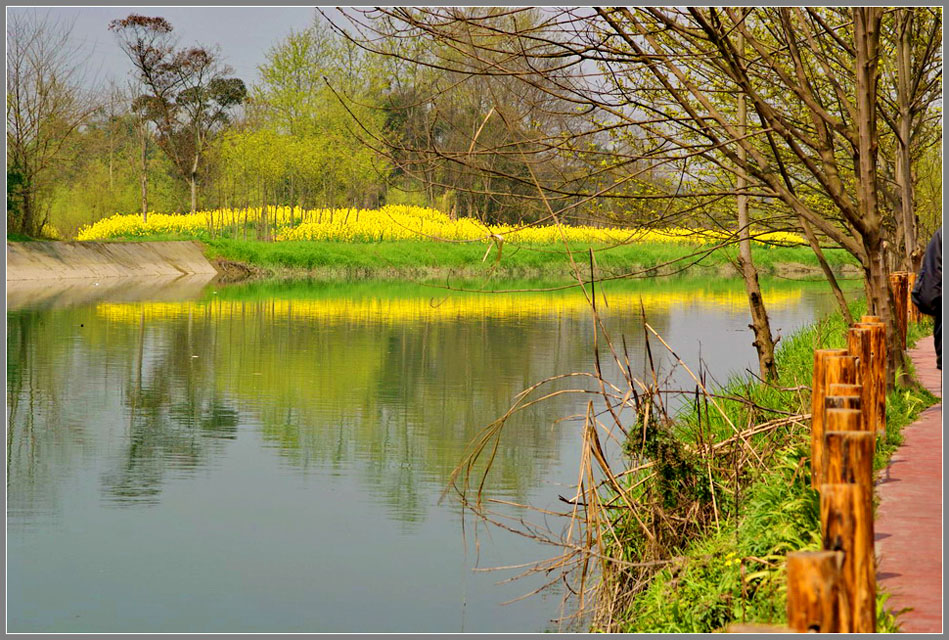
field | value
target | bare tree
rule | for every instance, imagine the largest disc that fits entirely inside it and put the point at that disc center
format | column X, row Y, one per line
column 47, row 102
column 911, row 88
column 810, row 79
column 188, row 93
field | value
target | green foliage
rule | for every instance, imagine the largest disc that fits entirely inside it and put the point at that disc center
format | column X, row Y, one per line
column 301, row 144
column 16, row 181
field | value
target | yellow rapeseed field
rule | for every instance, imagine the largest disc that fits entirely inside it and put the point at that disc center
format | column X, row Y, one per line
column 390, row 223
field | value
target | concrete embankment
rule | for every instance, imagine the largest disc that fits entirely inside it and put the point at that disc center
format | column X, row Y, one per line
column 59, row 260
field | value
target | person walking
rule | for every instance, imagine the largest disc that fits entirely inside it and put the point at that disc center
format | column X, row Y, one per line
column 927, row 294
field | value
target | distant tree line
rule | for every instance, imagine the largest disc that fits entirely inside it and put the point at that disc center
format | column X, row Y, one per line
column 326, row 123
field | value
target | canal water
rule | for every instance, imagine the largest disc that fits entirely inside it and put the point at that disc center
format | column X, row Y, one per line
column 273, row 457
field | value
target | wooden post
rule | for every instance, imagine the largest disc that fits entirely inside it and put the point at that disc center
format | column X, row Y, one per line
column 843, row 419
column 847, row 525
column 842, row 401
column 878, row 366
column 898, row 282
column 836, row 464
column 914, row 313
column 818, row 393
column 847, row 390
column 840, row 369
column 849, row 457
column 837, row 369
column 845, row 402
column 816, row 597
column 860, row 345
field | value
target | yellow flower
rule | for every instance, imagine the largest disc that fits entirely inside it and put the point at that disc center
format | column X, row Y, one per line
column 393, row 222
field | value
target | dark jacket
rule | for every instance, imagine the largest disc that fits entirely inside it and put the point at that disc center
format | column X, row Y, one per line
column 927, row 294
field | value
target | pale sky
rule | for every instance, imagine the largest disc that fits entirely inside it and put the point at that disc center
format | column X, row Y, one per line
column 244, row 34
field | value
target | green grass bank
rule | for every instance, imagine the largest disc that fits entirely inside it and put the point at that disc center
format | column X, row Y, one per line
column 734, row 571
column 422, row 258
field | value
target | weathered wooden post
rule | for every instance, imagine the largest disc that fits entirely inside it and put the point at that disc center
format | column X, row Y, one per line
column 816, row 596
column 839, row 368
column 898, row 282
column 914, row 313
column 860, row 345
column 878, row 366
column 848, row 390
column 849, row 457
column 842, row 401
column 847, row 525
column 843, row 419
column 846, row 396
column 846, row 458
column 818, row 393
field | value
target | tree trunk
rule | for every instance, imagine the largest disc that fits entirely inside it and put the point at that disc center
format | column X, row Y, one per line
column 912, row 256
column 193, row 179
column 866, row 46
column 764, row 344
column 27, row 212
column 144, row 178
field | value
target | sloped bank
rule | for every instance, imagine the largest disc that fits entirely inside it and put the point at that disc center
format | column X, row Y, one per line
column 59, row 260
column 420, row 260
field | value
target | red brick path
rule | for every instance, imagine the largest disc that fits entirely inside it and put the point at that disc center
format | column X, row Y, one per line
column 908, row 524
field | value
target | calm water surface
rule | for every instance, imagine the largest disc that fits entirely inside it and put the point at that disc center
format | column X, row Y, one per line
column 272, row 457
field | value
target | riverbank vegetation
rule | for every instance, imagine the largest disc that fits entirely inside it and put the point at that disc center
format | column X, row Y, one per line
column 421, row 259
column 409, row 241
column 684, row 527
column 734, row 572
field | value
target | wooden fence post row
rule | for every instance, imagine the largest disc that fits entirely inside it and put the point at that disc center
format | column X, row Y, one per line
column 834, row 590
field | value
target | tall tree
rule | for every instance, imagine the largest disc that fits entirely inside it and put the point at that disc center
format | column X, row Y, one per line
column 188, row 93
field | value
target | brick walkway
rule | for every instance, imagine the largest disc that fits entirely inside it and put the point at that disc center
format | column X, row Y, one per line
column 908, row 524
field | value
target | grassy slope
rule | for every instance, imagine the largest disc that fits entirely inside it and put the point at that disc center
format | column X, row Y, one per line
column 403, row 255
column 737, row 572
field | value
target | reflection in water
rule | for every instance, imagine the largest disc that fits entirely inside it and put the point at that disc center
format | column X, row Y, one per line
column 367, row 400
